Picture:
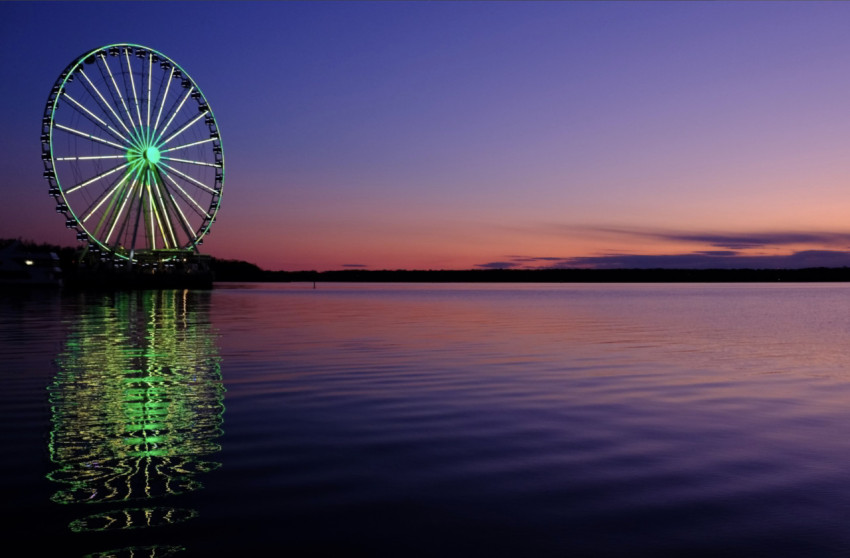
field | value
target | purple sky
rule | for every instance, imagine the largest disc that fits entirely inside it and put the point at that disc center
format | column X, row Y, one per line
column 507, row 134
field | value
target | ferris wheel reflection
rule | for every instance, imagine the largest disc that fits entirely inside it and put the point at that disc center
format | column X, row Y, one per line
column 137, row 406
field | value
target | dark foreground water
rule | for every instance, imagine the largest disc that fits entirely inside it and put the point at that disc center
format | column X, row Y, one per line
column 421, row 420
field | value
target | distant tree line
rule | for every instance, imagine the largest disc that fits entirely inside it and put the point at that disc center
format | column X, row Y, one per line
column 238, row 270
column 820, row 274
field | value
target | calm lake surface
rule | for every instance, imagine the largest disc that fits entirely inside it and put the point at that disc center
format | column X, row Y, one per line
column 428, row 420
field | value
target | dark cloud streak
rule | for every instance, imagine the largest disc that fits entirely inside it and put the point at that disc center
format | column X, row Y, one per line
column 738, row 241
column 505, row 265
column 826, row 249
column 693, row 260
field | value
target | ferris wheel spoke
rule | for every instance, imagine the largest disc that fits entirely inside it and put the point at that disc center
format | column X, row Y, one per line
column 90, row 157
column 94, row 179
column 188, row 178
column 200, row 210
column 103, row 100
column 150, row 77
column 114, row 199
column 118, row 92
column 108, row 215
column 124, row 228
column 89, row 136
column 177, row 110
column 183, row 129
column 133, row 85
column 135, row 225
column 117, row 215
column 154, row 202
column 152, row 213
column 184, row 146
column 107, row 194
column 160, row 189
column 136, row 201
column 164, row 97
column 167, row 230
column 93, row 117
column 201, row 163
column 184, row 222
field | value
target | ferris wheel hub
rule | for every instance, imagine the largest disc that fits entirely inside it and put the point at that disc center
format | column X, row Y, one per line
column 151, row 155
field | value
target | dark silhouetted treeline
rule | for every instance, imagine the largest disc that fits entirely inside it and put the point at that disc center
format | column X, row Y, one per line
column 541, row 275
column 237, row 270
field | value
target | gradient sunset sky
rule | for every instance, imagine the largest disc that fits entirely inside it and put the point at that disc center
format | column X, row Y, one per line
column 443, row 135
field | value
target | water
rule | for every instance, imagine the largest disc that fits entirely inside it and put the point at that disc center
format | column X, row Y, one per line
column 428, row 420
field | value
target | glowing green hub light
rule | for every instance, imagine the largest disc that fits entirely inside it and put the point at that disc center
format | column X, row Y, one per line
column 151, row 154
column 144, row 150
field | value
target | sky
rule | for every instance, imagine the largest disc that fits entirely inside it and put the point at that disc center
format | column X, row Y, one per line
column 462, row 135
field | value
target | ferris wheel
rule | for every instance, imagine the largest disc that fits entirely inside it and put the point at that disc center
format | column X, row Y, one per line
column 132, row 152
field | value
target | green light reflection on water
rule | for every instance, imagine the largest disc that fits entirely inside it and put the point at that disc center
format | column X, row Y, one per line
column 137, row 404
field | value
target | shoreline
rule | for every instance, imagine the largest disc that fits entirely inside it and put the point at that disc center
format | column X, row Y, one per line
column 807, row 275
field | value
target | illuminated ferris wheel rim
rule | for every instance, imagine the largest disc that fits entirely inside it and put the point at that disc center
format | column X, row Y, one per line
column 131, row 166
